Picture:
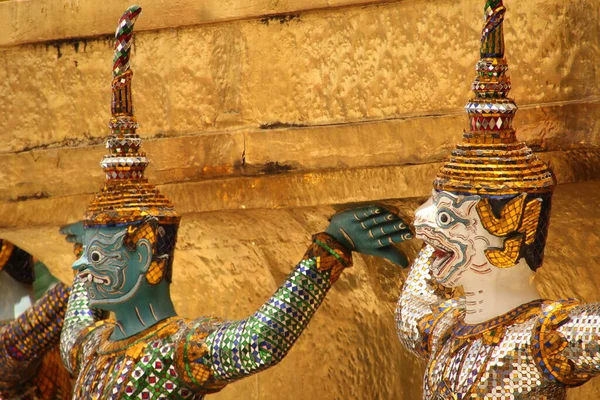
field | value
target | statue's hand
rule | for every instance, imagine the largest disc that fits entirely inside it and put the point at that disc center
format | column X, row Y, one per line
column 74, row 234
column 371, row 230
column 44, row 279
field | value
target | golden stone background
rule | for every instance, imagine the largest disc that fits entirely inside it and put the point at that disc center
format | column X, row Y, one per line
column 262, row 117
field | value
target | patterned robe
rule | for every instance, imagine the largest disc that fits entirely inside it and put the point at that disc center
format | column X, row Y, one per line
column 535, row 351
column 30, row 365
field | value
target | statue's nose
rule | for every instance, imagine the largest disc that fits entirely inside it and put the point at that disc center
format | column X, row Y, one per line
column 424, row 215
column 81, row 263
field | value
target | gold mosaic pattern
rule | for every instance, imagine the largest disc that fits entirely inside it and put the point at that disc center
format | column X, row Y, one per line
column 51, row 381
column 490, row 160
column 156, row 272
column 194, row 349
column 516, row 216
column 509, row 220
column 563, row 324
column 137, row 232
column 30, row 366
column 148, row 230
column 507, row 256
column 129, row 201
column 530, row 220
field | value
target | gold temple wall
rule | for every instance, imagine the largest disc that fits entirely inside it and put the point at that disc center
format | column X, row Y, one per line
column 260, row 125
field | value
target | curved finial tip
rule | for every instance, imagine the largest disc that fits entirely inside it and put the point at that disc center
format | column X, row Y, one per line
column 123, row 37
column 492, row 36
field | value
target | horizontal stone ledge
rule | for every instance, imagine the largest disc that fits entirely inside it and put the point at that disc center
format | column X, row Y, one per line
column 239, row 193
column 290, row 190
column 33, row 21
column 417, row 140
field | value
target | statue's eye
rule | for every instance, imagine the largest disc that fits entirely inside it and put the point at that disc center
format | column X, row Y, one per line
column 444, row 218
column 95, row 256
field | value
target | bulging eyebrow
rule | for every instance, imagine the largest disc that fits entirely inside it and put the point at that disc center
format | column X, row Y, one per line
column 106, row 240
column 456, row 201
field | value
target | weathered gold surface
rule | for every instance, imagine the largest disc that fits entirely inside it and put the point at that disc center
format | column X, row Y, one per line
column 334, row 66
column 48, row 172
column 280, row 190
column 59, row 20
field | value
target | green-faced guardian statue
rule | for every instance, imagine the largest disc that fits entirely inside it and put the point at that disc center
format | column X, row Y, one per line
column 128, row 235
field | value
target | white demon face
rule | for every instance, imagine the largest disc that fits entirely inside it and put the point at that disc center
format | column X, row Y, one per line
column 450, row 223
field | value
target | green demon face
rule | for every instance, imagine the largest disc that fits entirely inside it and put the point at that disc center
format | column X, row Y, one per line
column 113, row 273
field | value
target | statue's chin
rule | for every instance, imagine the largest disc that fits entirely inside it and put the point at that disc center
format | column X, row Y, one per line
column 107, row 304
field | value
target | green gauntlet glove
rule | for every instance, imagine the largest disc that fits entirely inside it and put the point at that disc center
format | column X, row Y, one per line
column 371, row 230
column 44, row 279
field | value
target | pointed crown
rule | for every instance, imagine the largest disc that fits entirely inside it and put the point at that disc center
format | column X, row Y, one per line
column 490, row 161
column 126, row 197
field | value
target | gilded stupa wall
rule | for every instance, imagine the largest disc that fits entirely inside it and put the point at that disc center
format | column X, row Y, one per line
column 262, row 117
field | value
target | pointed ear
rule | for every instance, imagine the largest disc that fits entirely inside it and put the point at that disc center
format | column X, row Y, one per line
column 144, row 254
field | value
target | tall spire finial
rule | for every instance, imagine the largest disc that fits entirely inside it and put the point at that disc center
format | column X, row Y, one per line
column 490, row 160
column 127, row 196
column 122, row 103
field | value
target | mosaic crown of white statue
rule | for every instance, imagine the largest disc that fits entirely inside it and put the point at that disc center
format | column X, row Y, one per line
column 490, row 205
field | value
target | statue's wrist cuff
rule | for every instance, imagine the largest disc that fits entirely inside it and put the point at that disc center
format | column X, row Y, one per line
column 334, row 248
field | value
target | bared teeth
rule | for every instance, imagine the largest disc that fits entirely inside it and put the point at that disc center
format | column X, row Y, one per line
column 88, row 277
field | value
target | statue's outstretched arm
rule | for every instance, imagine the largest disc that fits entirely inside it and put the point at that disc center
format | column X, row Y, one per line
column 237, row 349
column 24, row 341
column 80, row 316
column 213, row 353
column 423, row 303
column 567, row 341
